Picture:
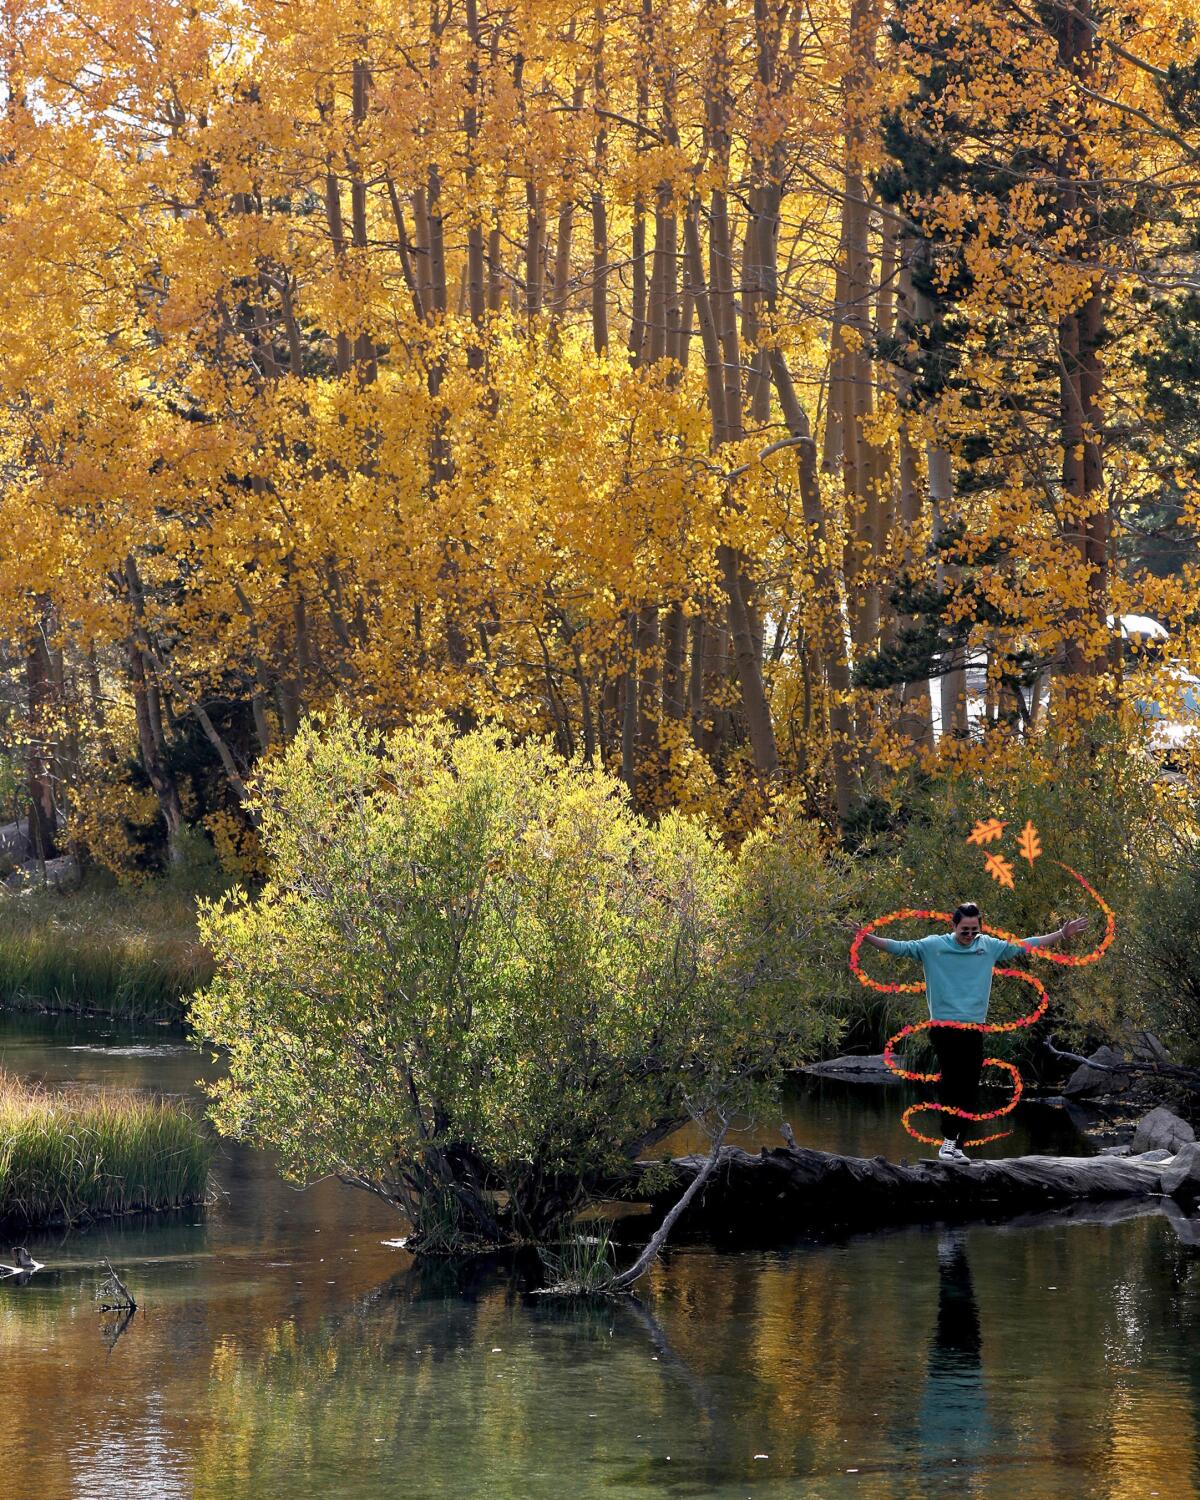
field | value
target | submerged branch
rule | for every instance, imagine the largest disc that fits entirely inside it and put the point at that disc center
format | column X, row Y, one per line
column 658, row 1239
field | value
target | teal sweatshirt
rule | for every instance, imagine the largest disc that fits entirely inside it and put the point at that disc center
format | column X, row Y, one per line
column 958, row 978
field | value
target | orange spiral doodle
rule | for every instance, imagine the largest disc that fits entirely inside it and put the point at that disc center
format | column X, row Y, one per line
column 1039, row 1010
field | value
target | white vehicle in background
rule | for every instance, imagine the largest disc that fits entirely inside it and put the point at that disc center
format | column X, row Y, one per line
column 1175, row 718
column 1174, row 714
column 1140, row 630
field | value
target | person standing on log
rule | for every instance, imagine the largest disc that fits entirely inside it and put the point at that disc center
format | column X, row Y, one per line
column 958, row 985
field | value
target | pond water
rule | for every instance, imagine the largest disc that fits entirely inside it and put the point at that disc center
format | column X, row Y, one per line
column 283, row 1348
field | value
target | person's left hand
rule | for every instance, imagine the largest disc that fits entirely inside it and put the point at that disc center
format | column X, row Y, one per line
column 1076, row 924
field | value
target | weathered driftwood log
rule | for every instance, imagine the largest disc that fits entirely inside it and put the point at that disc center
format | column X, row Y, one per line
column 790, row 1190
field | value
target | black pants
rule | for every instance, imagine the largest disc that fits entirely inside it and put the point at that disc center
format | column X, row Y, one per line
column 960, row 1062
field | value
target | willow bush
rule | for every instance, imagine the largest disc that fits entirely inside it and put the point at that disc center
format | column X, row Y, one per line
column 1164, row 947
column 477, row 982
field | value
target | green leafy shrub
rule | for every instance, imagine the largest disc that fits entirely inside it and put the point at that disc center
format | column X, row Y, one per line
column 478, row 983
column 1165, row 949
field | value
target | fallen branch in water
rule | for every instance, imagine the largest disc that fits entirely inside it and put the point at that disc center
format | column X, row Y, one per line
column 113, row 1295
column 658, row 1239
column 1189, row 1077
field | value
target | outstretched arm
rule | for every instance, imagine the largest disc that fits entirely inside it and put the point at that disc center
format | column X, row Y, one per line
column 904, row 948
column 1052, row 939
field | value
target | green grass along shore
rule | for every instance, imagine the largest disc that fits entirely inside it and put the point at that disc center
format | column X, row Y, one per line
column 68, row 1155
column 131, row 952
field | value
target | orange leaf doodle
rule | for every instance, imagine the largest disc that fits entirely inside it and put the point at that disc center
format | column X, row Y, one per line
column 986, row 832
column 999, row 869
column 1029, row 844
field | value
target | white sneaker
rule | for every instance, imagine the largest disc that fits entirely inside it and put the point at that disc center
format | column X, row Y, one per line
column 952, row 1151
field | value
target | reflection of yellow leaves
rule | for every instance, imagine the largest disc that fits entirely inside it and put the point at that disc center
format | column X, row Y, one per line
column 1029, row 844
column 986, row 832
column 999, row 869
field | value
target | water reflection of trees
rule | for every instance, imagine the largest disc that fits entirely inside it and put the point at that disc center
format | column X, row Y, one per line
column 818, row 1360
column 450, row 1381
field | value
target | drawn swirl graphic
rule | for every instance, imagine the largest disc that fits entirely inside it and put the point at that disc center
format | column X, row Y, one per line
column 1039, row 1010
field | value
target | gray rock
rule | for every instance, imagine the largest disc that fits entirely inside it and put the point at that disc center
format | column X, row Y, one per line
column 1098, row 1080
column 1148, row 1049
column 1115, row 1151
column 14, row 839
column 59, row 873
column 860, row 1069
column 1181, row 1176
column 1161, row 1128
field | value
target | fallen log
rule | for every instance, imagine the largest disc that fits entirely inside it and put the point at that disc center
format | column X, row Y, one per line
column 788, row 1191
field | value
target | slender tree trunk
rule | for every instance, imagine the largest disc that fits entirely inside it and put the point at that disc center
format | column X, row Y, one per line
column 43, row 820
column 476, row 272
column 598, row 210
column 954, row 677
column 535, row 235
column 646, row 643
column 628, row 701
column 337, row 233
column 562, row 260
column 495, row 271
column 916, row 716
column 675, row 643
column 560, row 294
column 862, row 497
column 437, row 242
column 150, row 741
column 364, row 348
column 637, row 317
column 748, row 659
column 1086, row 516
column 883, row 477
column 833, row 646
column 835, row 393
column 696, row 682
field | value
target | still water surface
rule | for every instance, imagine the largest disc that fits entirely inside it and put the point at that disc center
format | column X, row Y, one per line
column 283, row 1349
